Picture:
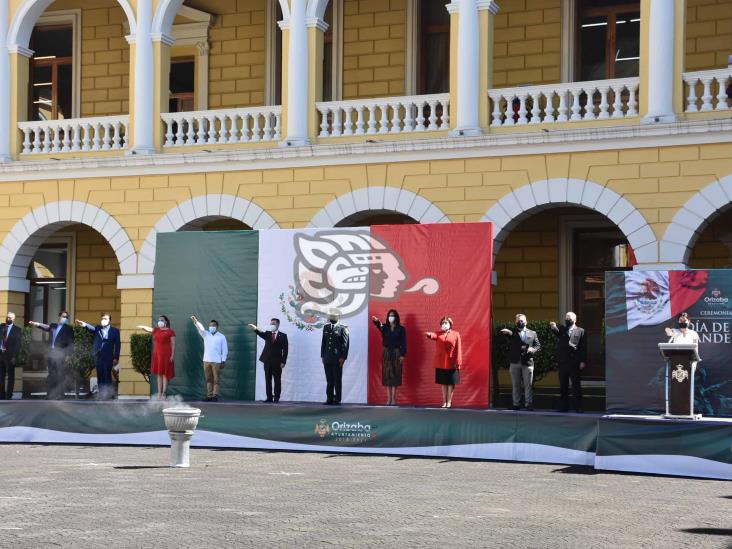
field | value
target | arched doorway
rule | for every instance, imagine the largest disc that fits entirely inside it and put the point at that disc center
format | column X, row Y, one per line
column 713, row 247
column 551, row 262
column 376, row 217
column 215, row 223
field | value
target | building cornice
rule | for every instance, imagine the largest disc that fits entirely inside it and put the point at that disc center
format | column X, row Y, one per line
column 371, row 150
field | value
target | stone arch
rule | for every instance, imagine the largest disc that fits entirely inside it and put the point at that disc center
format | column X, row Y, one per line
column 165, row 16
column 521, row 203
column 204, row 206
column 391, row 199
column 28, row 13
column 20, row 244
column 316, row 8
column 692, row 218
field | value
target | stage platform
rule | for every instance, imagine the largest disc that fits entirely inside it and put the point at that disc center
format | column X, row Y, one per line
column 621, row 443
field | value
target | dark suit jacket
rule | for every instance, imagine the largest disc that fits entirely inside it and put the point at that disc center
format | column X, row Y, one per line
column 571, row 349
column 12, row 347
column 518, row 348
column 274, row 353
column 106, row 349
column 64, row 341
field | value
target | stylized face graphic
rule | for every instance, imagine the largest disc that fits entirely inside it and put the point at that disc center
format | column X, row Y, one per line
column 342, row 269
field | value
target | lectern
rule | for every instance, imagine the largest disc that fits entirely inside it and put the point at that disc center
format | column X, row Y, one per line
column 680, row 370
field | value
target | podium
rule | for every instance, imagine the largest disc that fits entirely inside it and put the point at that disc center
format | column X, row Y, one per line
column 680, row 369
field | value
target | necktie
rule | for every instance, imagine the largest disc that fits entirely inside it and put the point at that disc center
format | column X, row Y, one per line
column 274, row 337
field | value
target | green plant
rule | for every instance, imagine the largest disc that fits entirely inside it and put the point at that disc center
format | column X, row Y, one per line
column 545, row 360
column 25, row 341
column 82, row 360
column 141, row 351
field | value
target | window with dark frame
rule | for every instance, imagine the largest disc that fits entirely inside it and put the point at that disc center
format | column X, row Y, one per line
column 182, row 84
column 51, row 75
column 608, row 39
column 434, row 48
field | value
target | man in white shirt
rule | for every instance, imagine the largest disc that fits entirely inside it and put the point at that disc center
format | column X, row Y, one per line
column 684, row 334
column 215, row 351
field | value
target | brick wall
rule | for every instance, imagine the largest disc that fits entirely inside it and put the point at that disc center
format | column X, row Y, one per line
column 527, row 47
column 373, row 48
column 105, row 57
column 237, row 55
column 527, row 267
column 708, row 34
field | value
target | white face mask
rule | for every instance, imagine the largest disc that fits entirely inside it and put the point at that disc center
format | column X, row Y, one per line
column 445, row 326
column 273, row 327
column 161, row 324
column 105, row 322
column 212, row 329
column 392, row 319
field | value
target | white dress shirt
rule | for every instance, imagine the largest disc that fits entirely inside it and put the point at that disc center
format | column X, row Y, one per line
column 215, row 348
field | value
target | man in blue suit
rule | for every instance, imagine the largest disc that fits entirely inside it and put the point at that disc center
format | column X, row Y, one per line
column 106, row 352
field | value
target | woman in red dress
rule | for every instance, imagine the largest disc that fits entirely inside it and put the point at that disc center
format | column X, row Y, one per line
column 163, row 352
column 448, row 359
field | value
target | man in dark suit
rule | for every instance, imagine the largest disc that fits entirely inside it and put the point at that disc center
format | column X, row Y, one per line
column 334, row 352
column 572, row 356
column 274, row 357
column 105, row 350
column 60, row 348
column 524, row 344
column 10, row 343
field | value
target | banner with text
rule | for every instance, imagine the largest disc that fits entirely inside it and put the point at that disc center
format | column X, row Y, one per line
column 638, row 306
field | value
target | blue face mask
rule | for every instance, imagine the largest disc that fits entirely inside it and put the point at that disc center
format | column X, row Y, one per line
column 64, row 320
column 212, row 329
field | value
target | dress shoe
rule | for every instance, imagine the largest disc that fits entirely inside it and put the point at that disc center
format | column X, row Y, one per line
column 580, row 411
column 214, row 398
column 563, row 410
column 529, row 408
column 515, row 408
column 267, row 400
column 276, row 400
column 328, row 402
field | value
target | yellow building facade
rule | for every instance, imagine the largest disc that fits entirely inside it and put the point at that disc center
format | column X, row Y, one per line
column 209, row 114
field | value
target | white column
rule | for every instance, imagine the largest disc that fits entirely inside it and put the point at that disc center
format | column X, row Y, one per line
column 144, row 137
column 297, row 80
column 660, row 63
column 468, row 68
column 5, row 85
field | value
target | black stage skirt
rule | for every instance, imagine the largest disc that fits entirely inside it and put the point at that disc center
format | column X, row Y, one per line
column 391, row 368
column 447, row 377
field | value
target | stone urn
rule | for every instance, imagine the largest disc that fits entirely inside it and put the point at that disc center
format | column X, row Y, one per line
column 181, row 422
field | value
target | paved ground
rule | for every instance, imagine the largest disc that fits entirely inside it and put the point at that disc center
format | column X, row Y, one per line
column 127, row 497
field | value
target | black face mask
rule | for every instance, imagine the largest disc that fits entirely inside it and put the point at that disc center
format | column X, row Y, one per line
column 8, row 321
column 569, row 323
column 683, row 324
column 334, row 321
column 521, row 324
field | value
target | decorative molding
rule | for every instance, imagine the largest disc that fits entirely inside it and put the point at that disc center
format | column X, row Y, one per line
column 20, row 50
column 314, row 22
column 692, row 218
column 489, row 5
column 224, row 206
column 164, row 38
column 520, row 203
column 20, row 244
column 373, row 150
column 387, row 198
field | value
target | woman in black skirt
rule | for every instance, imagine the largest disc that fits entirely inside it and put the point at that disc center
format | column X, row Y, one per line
column 394, row 340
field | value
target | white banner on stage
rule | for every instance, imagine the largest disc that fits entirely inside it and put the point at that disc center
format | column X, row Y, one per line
column 280, row 296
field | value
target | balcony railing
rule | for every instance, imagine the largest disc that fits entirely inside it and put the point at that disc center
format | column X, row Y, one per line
column 385, row 115
column 222, row 127
column 708, row 90
column 108, row 133
column 572, row 102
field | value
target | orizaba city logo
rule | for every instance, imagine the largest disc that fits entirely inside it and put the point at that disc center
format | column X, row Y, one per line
column 340, row 271
column 343, row 431
column 716, row 298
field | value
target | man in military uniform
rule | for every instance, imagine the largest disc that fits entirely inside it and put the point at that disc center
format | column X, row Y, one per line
column 334, row 352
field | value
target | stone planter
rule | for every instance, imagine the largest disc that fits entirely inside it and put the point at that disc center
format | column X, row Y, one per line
column 181, row 422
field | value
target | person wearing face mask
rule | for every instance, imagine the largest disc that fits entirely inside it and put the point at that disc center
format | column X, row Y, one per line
column 10, row 343
column 273, row 357
column 571, row 356
column 105, row 350
column 162, row 365
column 333, row 353
column 684, row 334
column 60, row 348
column 215, row 351
column 448, row 359
column 394, row 342
column 524, row 344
